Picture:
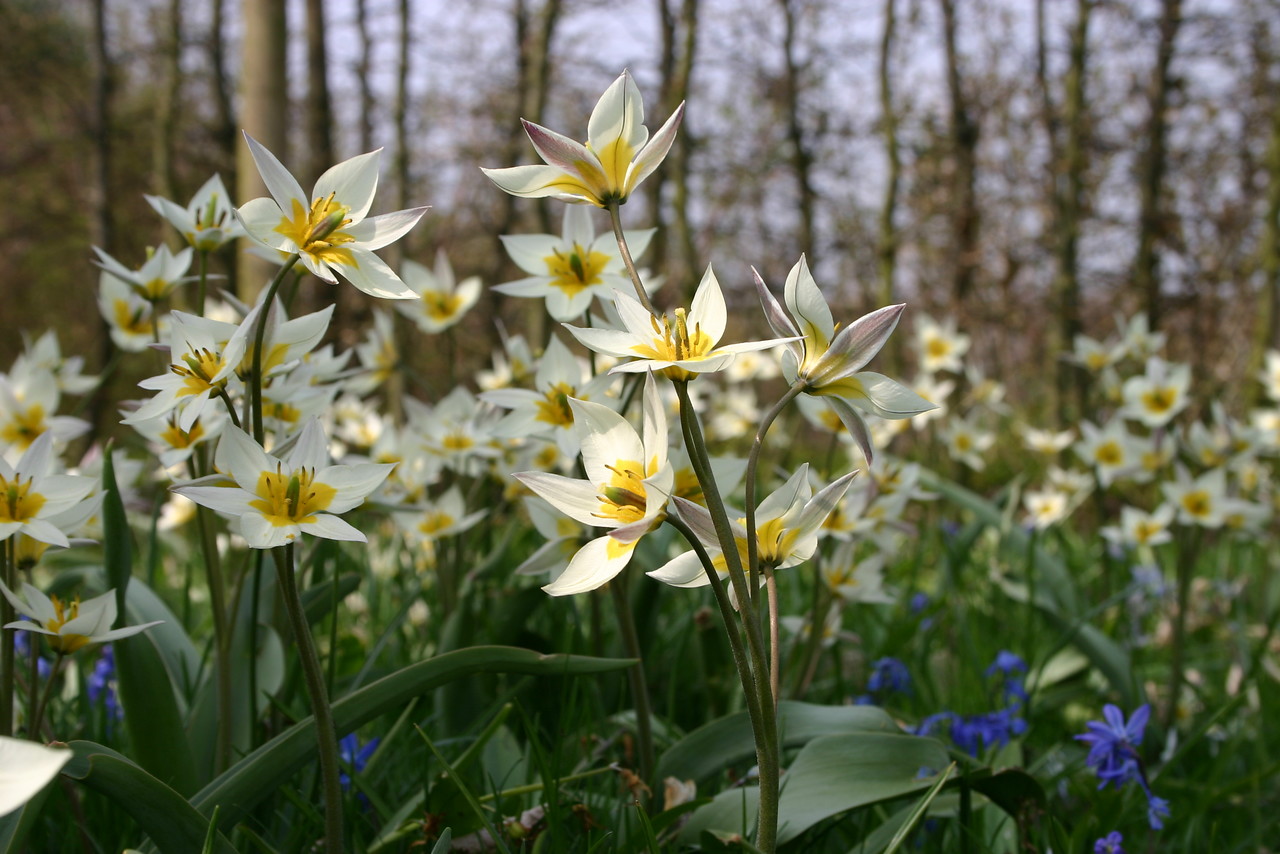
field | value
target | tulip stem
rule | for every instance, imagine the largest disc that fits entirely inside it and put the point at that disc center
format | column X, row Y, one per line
column 753, row 461
column 7, row 639
column 313, row 676
column 639, row 686
column 766, row 735
column 255, row 381
column 616, row 218
column 38, row 706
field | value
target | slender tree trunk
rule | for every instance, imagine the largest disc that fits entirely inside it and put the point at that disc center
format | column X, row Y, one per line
column 671, row 250
column 887, row 246
column 1146, row 273
column 801, row 158
column 363, row 67
column 319, row 106
column 224, row 125
column 401, row 111
column 964, row 153
column 1068, row 198
column 167, row 110
column 1267, row 331
column 101, row 230
column 264, row 104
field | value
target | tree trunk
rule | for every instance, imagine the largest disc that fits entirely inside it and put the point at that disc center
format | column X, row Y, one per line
column 887, row 246
column 319, row 106
column 1146, row 273
column 367, row 101
column 264, row 104
column 1067, row 203
column 801, row 159
column 964, row 151
column 169, row 93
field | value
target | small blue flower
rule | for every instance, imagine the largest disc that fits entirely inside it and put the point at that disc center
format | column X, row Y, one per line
column 1009, row 665
column 889, row 676
column 1113, row 753
column 353, row 756
column 1109, row 844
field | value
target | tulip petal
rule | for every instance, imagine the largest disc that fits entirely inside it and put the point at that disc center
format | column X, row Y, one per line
column 281, row 184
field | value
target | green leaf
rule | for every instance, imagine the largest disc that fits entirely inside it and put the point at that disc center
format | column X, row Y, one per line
column 919, row 811
column 727, row 742
column 1056, row 596
column 16, row 826
column 830, row 775
column 163, row 814
column 252, row 779
column 153, row 716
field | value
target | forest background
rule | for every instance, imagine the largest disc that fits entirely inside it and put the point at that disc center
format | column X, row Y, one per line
column 1027, row 168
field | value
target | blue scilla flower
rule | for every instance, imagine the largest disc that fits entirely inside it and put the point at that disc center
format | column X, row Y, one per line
column 1113, row 753
column 100, row 685
column 889, row 676
column 1011, row 667
column 1109, row 844
column 22, row 649
column 354, row 756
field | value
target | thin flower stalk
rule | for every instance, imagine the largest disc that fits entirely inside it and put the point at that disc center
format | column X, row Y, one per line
column 313, row 676
column 639, row 685
column 8, row 573
column 615, row 217
column 766, row 734
column 259, row 335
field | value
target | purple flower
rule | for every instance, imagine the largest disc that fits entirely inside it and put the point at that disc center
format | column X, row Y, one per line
column 1113, row 745
column 888, row 676
column 1113, row 753
column 1009, row 665
column 354, row 756
column 1109, row 844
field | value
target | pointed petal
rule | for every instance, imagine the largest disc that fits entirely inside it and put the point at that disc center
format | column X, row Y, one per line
column 372, row 275
column 809, row 308
column 576, row 499
column 536, row 182
column 854, row 424
column 856, row 344
column 708, row 309
column 379, row 231
column 352, row 183
column 332, row 528
column 656, row 151
column 284, row 188
column 618, row 115
column 594, row 565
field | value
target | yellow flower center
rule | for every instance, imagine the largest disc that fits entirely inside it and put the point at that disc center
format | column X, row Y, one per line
column 134, row 321
column 318, row 231
column 197, row 375
column 577, row 270
column 1109, row 453
column 1159, row 400
column 175, row 437
column 624, row 498
column 458, row 442
column 936, row 347
column 434, row 522
column 17, row 502
column 675, row 342
column 774, row 542
column 291, row 499
column 63, row 614
column 1197, row 503
column 554, row 408
column 1145, row 530
column 24, row 427
column 440, row 306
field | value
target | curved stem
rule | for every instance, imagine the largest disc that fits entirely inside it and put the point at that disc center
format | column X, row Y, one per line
column 38, row 708
column 767, row 736
column 313, row 676
column 255, row 381
column 753, row 460
column 615, row 217
column 639, row 686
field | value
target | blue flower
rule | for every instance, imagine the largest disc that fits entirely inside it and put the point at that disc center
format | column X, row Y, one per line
column 1109, row 844
column 1113, row 753
column 1009, row 665
column 353, row 756
column 889, row 676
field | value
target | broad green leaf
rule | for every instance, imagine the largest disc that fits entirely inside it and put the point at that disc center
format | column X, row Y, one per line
column 728, row 742
column 830, row 775
column 163, row 814
column 253, row 778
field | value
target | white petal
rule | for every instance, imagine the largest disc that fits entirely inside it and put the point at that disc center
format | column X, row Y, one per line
column 352, row 183
column 25, row 769
column 595, row 564
column 379, row 231
column 284, row 188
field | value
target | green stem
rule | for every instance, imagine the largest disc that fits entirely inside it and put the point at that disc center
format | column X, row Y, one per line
column 615, row 217
column 753, row 460
column 203, row 258
column 767, row 757
column 38, row 708
column 1188, row 551
column 255, row 381
column 313, row 676
column 639, row 685
column 7, row 640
